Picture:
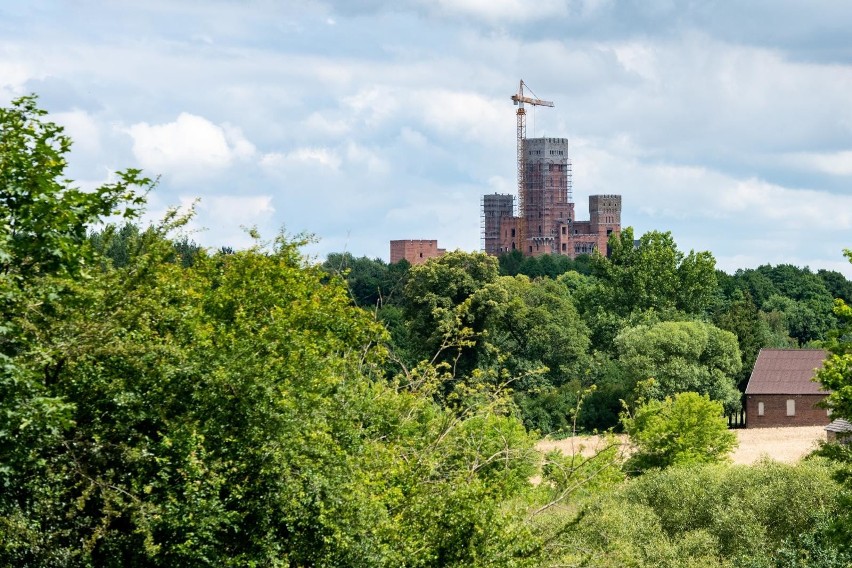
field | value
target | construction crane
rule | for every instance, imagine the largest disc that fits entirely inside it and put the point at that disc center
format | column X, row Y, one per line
column 519, row 99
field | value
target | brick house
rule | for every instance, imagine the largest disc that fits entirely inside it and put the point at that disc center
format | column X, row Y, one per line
column 781, row 390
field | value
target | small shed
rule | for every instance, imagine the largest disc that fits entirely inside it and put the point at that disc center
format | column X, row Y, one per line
column 839, row 430
column 781, row 390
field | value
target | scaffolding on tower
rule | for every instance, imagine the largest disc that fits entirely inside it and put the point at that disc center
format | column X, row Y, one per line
column 519, row 100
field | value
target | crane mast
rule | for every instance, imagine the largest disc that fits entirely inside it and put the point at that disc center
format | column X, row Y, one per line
column 519, row 99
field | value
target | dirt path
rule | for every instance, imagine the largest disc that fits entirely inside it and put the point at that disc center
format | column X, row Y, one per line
column 780, row 444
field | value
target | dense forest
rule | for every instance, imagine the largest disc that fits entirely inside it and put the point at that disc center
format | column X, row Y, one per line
column 162, row 404
column 587, row 333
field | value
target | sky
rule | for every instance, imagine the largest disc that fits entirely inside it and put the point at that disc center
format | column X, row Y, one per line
column 363, row 121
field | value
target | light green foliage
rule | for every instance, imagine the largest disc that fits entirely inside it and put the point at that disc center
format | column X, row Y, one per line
column 231, row 411
column 43, row 218
column 682, row 356
column 766, row 515
column 43, row 221
column 836, row 375
column 234, row 412
column 685, row 429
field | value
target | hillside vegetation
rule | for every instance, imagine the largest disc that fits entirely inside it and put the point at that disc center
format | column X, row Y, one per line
column 166, row 405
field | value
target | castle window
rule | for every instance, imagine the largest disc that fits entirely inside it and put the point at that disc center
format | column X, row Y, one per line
column 513, row 232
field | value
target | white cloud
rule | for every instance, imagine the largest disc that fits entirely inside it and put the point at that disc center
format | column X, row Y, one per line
column 375, row 104
column 318, row 125
column 411, row 137
column 365, row 157
column 82, row 128
column 464, row 114
column 189, row 147
column 499, row 10
column 834, row 163
column 13, row 76
column 323, row 157
column 639, row 58
column 235, row 210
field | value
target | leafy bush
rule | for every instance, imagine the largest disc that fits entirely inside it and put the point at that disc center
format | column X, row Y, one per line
column 768, row 515
column 686, row 429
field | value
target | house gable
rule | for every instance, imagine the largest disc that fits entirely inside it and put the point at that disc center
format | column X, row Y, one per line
column 781, row 390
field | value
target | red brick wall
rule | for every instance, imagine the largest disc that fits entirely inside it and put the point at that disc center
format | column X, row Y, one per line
column 414, row 251
column 510, row 238
column 775, row 411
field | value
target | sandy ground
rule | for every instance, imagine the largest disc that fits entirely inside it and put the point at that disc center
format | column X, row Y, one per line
column 780, row 444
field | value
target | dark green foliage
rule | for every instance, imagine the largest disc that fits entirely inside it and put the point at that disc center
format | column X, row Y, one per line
column 793, row 301
column 602, row 405
column 372, row 282
column 836, row 284
column 547, row 265
column 120, row 245
column 742, row 318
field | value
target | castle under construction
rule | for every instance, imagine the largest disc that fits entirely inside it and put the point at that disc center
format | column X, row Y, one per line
column 545, row 222
column 542, row 220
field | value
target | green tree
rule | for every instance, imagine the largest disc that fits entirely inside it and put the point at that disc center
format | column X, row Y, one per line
column 764, row 515
column 742, row 318
column 682, row 356
column 685, row 429
column 43, row 218
column 440, row 322
column 535, row 329
column 837, row 285
column 120, row 244
column 654, row 274
column 234, row 412
column 372, row 282
column 43, row 224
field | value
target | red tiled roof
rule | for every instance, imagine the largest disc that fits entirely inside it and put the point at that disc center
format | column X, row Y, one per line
column 786, row 371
